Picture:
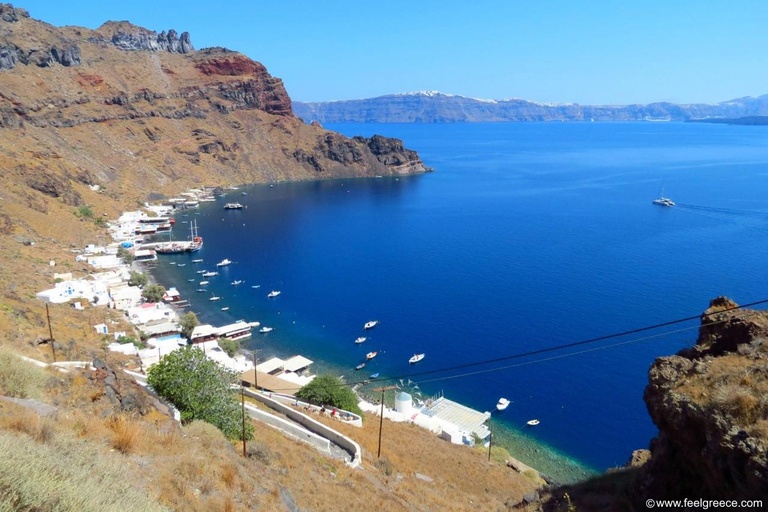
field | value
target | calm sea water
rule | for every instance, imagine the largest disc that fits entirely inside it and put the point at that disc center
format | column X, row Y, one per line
column 527, row 236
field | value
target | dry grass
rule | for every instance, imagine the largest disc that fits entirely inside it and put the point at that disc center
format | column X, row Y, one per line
column 19, row 378
column 126, row 434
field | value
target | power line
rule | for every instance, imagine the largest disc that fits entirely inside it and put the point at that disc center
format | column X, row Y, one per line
column 559, row 347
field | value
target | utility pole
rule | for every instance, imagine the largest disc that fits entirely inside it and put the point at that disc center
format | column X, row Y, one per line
column 255, row 372
column 50, row 332
column 490, row 439
column 381, row 416
column 242, row 397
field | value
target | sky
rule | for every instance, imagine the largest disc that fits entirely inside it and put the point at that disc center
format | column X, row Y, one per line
column 588, row 52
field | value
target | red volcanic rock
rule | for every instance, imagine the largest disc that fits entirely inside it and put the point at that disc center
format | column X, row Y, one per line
column 231, row 66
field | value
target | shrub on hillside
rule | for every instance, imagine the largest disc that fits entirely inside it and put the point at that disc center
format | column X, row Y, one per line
column 201, row 389
column 20, row 379
column 329, row 390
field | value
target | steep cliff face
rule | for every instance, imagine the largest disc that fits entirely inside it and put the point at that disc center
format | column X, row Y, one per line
column 436, row 107
column 710, row 404
column 141, row 112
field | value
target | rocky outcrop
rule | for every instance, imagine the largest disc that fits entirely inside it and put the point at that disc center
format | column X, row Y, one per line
column 263, row 93
column 53, row 186
column 390, row 151
column 710, row 404
column 152, row 41
column 11, row 14
column 122, row 393
column 67, row 56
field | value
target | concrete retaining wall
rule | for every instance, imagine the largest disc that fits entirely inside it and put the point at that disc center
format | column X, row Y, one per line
column 290, row 428
column 312, row 425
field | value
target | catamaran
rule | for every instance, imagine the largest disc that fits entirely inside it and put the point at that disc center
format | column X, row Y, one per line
column 663, row 201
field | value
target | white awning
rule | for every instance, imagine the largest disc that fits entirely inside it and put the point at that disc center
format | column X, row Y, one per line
column 296, row 363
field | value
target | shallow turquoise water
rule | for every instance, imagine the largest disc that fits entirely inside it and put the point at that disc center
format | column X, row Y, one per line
column 528, row 235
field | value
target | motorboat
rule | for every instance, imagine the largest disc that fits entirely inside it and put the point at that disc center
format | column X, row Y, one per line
column 371, row 324
column 532, row 423
column 360, row 340
column 235, row 283
column 201, row 290
column 202, row 271
column 233, row 206
column 416, row 358
column 256, row 286
column 254, row 324
column 226, row 308
column 210, row 274
column 214, row 298
column 374, row 375
column 371, row 355
column 191, row 280
column 181, row 265
column 224, row 263
column 203, row 283
column 360, row 366
column 273, row 294
column 172, row 263
column 197, row 261
column 502, row 404
column 266, row 329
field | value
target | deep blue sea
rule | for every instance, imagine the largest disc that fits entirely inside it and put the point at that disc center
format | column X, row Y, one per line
column 526, row 236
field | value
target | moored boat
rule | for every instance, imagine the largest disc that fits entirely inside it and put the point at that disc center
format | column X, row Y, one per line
column 214, row 298
column 532, row 423
column 233, row 206
column 360, row 340
column 371, row 355
column 273, row 294
column 502, row 404
column 237, row 282
column 360, row 366
column 416, row 358
column 266, row 329
column 371, row 324
column 223, row 263
column 210, row 274
column 374, row 375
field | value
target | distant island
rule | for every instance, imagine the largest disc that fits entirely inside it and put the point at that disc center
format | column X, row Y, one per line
column 749, row 120
column 438, row 107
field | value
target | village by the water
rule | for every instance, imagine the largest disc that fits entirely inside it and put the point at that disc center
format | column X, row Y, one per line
column 156, row 331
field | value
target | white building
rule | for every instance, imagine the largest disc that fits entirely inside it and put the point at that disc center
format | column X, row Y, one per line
column 152, row 312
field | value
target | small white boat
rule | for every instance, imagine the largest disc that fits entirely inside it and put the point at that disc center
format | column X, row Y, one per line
column 254, row 324
column 181, row 265
column 416, row 358
column 256, row 286
column 210, row 274
column 172, row 263
column 202, row 271
column 273, row 294
column 226, row 308
column 202, row 283
column 371, row 324
column 235, row 283
column 233, row 206
column 360, row 340
column 502, row 404
column 663, row 201
column 224, row 263
column 191, row 280
column 532, row 423
column 215, row 298
column 197, row 261
column 266, row 329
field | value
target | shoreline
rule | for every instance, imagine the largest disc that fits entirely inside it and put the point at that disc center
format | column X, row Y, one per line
column 557, row 465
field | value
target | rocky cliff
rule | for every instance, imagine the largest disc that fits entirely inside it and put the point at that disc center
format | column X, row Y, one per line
column 436, row 107
column 137, row 112
column 710, row 403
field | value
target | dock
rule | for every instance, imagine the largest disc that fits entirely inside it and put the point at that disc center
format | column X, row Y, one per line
column 466, row 419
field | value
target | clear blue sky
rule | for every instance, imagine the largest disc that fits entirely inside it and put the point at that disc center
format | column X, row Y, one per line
column 544, row 50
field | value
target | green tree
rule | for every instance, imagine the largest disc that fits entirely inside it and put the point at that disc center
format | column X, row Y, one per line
column 329, row 390
column 188, row 323
column 153, row 293
column 229, row 346
column 138, row 279
column 201, row 389
column 125, row 255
